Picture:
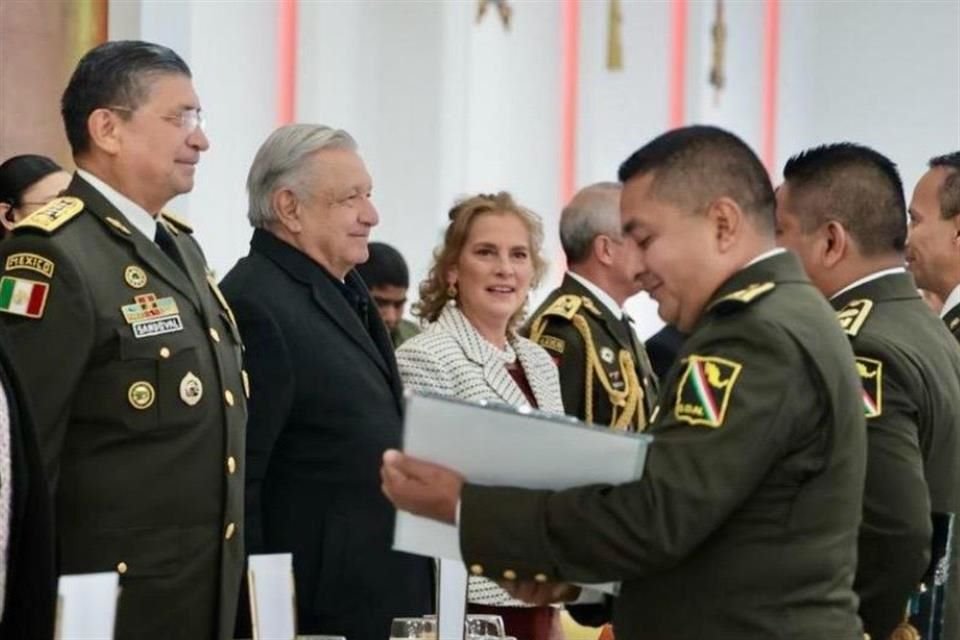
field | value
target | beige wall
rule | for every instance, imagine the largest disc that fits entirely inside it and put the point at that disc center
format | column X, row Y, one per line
column 40, row 42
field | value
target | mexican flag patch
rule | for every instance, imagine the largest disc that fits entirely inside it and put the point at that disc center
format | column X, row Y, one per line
column 871, row 377
column 704, row 390
column 23, row 297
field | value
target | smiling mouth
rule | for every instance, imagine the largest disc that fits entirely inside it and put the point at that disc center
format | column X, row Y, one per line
column 501, row 289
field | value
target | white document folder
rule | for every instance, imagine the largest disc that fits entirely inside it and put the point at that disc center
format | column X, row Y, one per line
column 494, row 444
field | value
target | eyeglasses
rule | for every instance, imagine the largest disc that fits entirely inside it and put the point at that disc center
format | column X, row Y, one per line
column 187, row 120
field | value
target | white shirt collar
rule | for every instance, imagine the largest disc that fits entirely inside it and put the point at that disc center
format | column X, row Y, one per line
column 766, row 254
column 869, row 277
column 598, row 293
column 137, row 215
column 952, row 300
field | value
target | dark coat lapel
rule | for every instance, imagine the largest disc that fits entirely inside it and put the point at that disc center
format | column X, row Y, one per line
column 148, row 251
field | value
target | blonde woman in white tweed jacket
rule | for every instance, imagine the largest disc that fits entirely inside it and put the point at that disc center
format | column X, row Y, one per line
column 473, row 298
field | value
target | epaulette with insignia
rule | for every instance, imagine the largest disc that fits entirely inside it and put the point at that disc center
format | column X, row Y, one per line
column 589, row 306
column 565, row 306
column 53, row 215
column 853, row 316
column 742, row 297
column 176, row 221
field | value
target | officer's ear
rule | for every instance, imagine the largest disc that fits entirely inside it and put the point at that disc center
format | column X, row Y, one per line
column 105, row 130
column 955, row 220
column 727, row 219
column 602, row 249
column 836, row 243
column 6, row 216
column 286, row 206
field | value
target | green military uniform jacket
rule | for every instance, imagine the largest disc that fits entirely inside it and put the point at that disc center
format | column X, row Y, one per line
column 131, row 368
column 403, row 332
column 952, row 320
column 910, row 369
column 744, row 522
column 605, row 375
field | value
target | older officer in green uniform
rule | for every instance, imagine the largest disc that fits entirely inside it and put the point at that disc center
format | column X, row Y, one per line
column 744, row 522
column 129, row 357
column 841, row 209
column 605, row 375
column 933, row 251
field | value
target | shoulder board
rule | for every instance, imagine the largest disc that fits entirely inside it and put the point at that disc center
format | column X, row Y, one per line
column 565, row 306
column 53, row 215
column 743, row 297
column 589, row 306
column 853, row 316
column 176, row 221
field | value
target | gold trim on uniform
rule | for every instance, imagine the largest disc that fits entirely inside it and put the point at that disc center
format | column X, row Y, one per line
column 176, row 221
column 228, row 397
column 191, row 389
column 246, row 383
column 141, row 395
column 135, row 276
column 853, row 315
column 31, row 262
column 53, row 215
column 954, row 323
column 746, row 295
column 119, row 226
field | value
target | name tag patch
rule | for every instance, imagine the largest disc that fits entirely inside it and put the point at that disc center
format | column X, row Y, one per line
column 149, row 328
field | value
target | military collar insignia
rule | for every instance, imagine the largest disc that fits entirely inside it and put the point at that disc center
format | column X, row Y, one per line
column 871, row 377
column 590, row 306
column 119, row 226
column 853, row 315
column 150, row 316
column 704, row 390
column 176, row 222
column 954, row 323
column 53, row 215
column 742, row 297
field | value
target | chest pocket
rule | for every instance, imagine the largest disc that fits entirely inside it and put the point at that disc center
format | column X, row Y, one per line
column 152, row 385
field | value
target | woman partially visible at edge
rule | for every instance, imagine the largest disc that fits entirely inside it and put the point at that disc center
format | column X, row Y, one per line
column 27, row 183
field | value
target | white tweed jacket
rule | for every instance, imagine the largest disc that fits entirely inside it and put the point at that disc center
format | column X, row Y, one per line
column 451, row 358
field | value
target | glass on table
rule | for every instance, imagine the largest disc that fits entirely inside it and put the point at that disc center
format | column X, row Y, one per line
column 484, row 626
column 413, row 629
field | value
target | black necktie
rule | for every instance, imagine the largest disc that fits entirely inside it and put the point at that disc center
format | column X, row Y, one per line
column 165, row 241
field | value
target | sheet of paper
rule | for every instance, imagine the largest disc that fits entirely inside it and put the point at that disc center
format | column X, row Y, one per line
column 498, row 445
column 452, row 601
column 87, row 605
column 272, row 597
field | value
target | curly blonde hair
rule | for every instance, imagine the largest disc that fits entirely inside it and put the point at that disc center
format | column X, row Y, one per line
column 434, row 294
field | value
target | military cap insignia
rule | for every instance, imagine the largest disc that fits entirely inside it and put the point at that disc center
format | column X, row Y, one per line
column 704, row 390
column 552, row 343
column 141, row 395
column 21, row 297
column 871, row 377
column 176, row 221
column 151, row 316
column 135, row 276
column 54, row 215
column 853, row 316
column 30, row 262
column 742, row 297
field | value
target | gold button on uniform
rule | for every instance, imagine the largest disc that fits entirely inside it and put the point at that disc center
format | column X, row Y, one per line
column 228, row 396
column 214, row 334
column 476, row 569
column 540, row 577
column 231, row 465
column 230, row 529
column 141, row 395
column 121, row 568
column 164, row 353
column 510, row 574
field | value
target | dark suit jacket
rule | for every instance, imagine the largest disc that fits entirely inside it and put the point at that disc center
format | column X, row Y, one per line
column 744, row 522
column 325, row 403
column 910, row 367
column 28, row 611
column 140, row 476
column 663, row 347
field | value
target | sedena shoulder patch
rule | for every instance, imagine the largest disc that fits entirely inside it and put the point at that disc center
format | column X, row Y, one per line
column 871, row 376
column 177, row 221
column 743, row 297
column 52, row 216
column 853, row 316
column 703, row 392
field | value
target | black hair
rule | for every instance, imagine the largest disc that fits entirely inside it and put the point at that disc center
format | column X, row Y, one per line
column 950, row 189
column 384, row 268
column 19, row 173
column 691, row 166
column 113, row 74
column 853, row 185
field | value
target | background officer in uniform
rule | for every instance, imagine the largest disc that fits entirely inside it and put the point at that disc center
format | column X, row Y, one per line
column 933, row 240
column 744, row 522
column 841, row 210
column 605, row 375
column 386, row 275
column 128, row 357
